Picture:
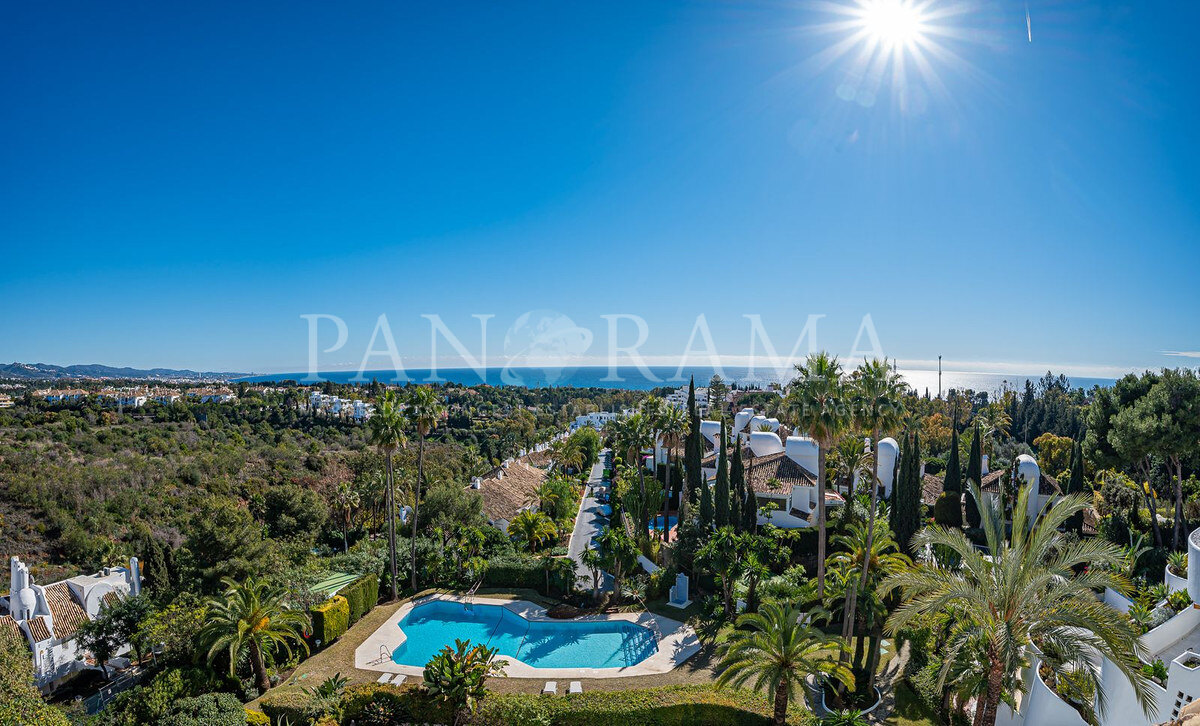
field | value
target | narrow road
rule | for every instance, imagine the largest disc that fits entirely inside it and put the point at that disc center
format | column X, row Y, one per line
column 589, row 522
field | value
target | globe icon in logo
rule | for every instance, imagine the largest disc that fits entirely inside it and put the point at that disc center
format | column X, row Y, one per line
column 545, row 340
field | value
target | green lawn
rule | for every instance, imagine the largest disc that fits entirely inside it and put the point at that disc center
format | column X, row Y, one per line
column 909, row 710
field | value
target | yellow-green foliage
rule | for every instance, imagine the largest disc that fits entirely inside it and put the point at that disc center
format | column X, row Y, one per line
column 402, row 704
column 20, row 702
column 257, row 718
column 699, row 705
column 330, row 619
column 362, row 594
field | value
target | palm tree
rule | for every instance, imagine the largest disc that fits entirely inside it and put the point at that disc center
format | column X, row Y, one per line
column 772, row 649
column 1024, row 593
column 385, row 430
column 876, row 394
column 347, row 500
column 424, row 410
column 672, row 425
column 532, row 528
column 816, row 403
column 877, row 557
column 594, row 562
column 850, row 460
column 251, row 616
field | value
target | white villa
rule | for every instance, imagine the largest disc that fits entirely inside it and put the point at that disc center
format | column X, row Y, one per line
column 68, row 395
column 212, row 395
column 336, row 406
column 596, row 420
column 679, row 397
column 47, row 617
column 126, row 398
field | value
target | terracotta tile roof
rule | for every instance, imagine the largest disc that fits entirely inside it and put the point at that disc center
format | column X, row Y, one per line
column 10, row 626
column 67, row 614
column 111, row 597
column 38, row 629
column 504, row 497
column 931, row 488
column 760, row 470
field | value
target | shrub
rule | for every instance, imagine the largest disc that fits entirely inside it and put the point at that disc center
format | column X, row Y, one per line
column 211, row 709
column 362, row 595
column 290, row 706
column 330, row 619
column 382, row 704
column 257, row 718
column 666, row 706
column 353, row 595
column 947, row 511
column 514, row 570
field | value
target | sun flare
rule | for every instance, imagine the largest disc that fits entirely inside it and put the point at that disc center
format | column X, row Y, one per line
column 892, row 22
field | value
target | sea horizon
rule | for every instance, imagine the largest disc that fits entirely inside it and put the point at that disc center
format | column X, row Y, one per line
column 633, row 378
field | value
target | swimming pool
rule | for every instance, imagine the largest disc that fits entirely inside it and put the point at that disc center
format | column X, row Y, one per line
column 657, row 520
column 540, row 644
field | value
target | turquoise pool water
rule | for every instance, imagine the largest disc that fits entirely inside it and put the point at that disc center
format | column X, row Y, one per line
column 555, row 644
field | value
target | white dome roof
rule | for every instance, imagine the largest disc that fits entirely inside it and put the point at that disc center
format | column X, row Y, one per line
column 28, row 598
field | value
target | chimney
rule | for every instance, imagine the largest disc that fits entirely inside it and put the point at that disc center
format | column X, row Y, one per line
column 984, row 461
column 135, row 577
column 476, row 482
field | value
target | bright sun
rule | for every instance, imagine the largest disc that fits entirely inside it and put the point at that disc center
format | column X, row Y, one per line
column 892, row 22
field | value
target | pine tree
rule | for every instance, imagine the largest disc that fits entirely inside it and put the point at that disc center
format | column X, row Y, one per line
column 721, row 491
column 1076, row 485
column 974, row 474
column 737, row 483
column 949, row 512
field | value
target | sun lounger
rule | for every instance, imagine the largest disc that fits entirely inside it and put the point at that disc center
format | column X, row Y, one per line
column 550, row 688
column 385, row 678
column 576, row 687
column 399, row 680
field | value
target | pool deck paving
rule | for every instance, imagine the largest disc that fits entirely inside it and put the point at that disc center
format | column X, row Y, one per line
column 676, row 642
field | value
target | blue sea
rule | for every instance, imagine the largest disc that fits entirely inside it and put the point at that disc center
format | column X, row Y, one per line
column 630, row 377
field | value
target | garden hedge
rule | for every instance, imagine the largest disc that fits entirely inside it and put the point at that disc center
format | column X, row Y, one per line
column 362, row 595
column 698, row 705
column 287, row 706
column 514, row 570
column 257, row 718
column 330, row 620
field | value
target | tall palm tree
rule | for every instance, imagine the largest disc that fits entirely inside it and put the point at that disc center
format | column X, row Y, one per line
column 672, row 426
column 816, row 402
column 878, row 557
column 385, row 431
column 424, row 410
column 1026, row 592
column 347, row 499
column 877, row 405
column 251, row 616
column 774, row 651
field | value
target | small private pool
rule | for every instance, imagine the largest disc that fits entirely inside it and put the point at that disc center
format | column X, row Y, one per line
column 430, row 626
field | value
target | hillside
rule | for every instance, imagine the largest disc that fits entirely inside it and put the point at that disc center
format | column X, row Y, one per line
column 46, row 371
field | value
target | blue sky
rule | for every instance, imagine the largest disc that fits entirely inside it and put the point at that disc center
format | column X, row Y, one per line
column 182, row 183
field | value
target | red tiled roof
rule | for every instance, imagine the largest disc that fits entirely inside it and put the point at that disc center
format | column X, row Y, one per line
column 68, row 616
column 10, row 626
column 991, row 483
column 761, row 470
column 38, row 629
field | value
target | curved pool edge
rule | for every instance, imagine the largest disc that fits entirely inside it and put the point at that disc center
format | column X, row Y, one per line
column 676, row 642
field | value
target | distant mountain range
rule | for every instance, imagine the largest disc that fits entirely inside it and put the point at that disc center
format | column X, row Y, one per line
column 45, row 371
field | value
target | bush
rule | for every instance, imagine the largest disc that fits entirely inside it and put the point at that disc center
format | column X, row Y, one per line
column 519, row 571
column 257, row 718
column 292, row 706
column 947, row 511
column 1179, row 600
column 211, row 709
column 382, row 704
column 330, row 620
column 666, row 706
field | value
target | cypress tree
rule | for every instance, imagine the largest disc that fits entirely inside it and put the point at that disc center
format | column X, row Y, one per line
column 737, row 483
column 693, row 448
column 721, row 491
column 974, row 474
column 908, row 500
column 949, row 512
column 894, row 502
column 706, row 507
column 1076, row 485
